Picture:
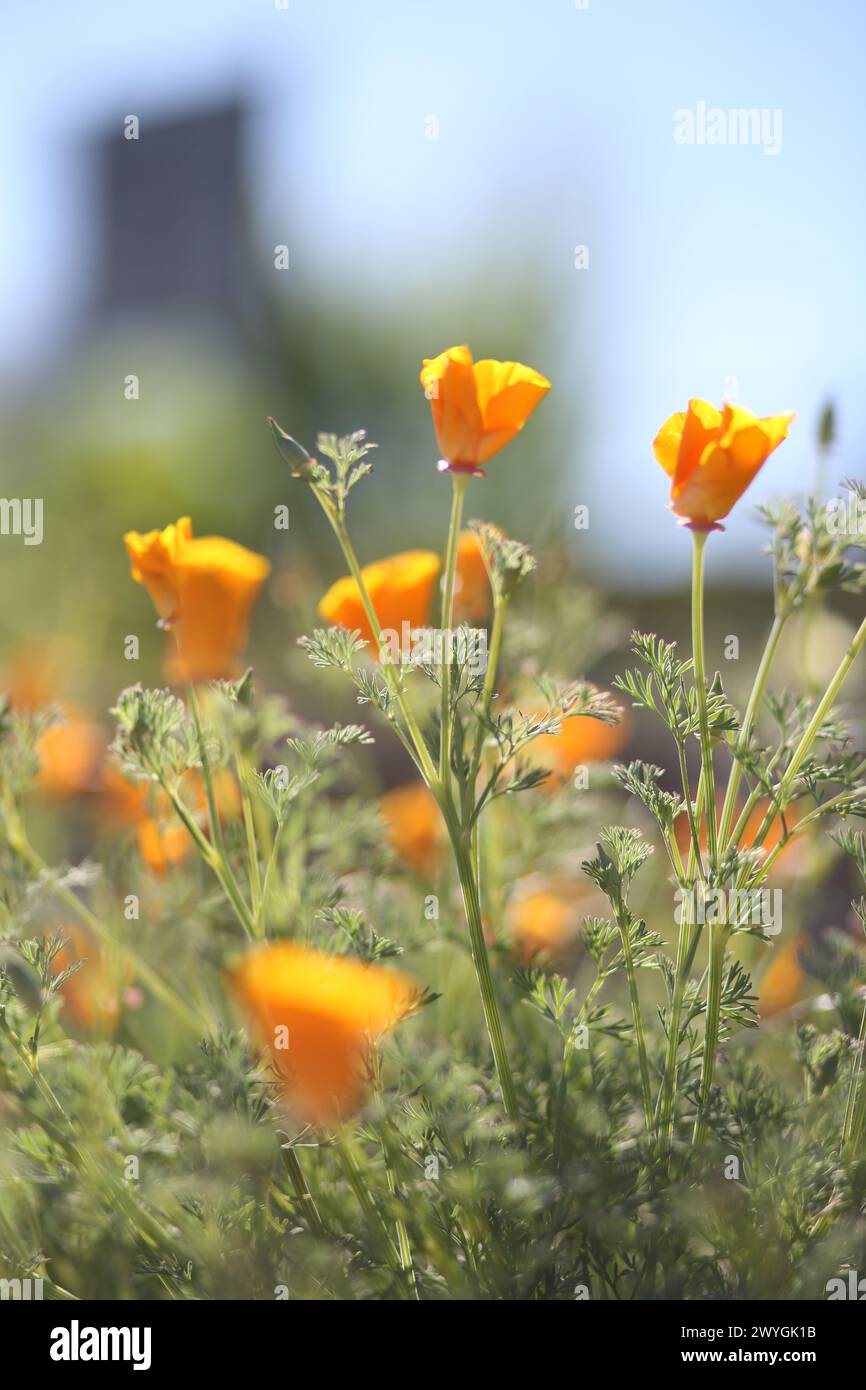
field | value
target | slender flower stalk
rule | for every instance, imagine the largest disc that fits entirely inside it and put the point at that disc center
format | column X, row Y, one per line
column 193, row 1019
column 700, row 539
column 855, row 1110
column 472, row 906
column 715, row 975
column 255, row 876
column 459, row 483
column 306, row 1200
column 637, row 1020
column 749, row 720
column 813, row 728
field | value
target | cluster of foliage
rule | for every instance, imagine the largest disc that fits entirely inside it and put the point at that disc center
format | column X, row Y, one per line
column 603, row 1121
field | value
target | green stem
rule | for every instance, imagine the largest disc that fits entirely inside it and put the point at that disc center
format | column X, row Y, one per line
column 213, row 857
column 213, row 814
column 418, row 742
column 255, row 876
column 749, row 719
column 196, row 1022
column 562, row 1090
column 480, row 959
column 690, row 810
column 499, row 613
column 814, row 726
column 686, row 946
column 718, row 936
column 269, row 873
column 700, row 539
column 637, row 1019
column 855, row 1110
column 404, row 1247
column 358, row 1184
column 458, row 492
column 301, row 1187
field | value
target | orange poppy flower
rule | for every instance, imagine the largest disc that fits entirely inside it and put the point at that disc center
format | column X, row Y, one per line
column 316, row 1014
column 784, row 980
column 473, row 596
column 788, row 857
column 414, row 826
column 711, row 456
column 478, row 407
column 91, row 996
column 203, row 587
column 544, row 922
column 29, row 677
column 70, row 758
column 582, row 740
column 164, row 841
column 400, row 589
column 163, row 844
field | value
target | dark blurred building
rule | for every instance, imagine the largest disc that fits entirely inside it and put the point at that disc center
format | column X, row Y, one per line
column 174, row 230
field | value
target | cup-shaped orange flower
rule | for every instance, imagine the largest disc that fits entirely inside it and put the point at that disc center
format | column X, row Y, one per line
column 204, row 588
column 712, row 455
column 400, row 589
column 478, row 407
column 317, row 1014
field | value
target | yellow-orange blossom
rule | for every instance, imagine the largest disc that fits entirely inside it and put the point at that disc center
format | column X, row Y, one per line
column 711, row 456
column 204, row 589
column 316, row 1014
column 478, row 407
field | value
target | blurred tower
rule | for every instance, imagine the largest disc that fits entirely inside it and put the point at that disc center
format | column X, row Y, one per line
column 173, row 234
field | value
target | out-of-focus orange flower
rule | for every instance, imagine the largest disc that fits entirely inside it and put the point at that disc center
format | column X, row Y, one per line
column 91, row 996
column 784, row 980
column 163, row 844
column 414, row 826
column 711, row 456
column 788, row 857
column 473, row 596
column 163, row 840
column 478, row 407
column 71, row 754
column 545, row 922
column 582, row 740
column 400, row 589
column 153, row 559
column 29, row 677
column 316, row 1014
column 204, row 588
column 121, row 801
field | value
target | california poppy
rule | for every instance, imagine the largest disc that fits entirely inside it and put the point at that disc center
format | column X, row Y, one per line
column 414, row 824
column 473, row 596
column 787, row 858
column 91, row 995
column 70, row 755
column 203, row 588
column 478, row 407
column 316, row 1014
column 784, row 981
column 581, row 740
column 400, row 589
column 545, row 921
column 711, row 456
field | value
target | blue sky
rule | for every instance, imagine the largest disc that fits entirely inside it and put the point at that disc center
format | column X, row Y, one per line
column 712, row 269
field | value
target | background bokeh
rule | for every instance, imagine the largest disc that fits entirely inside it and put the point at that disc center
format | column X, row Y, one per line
column 431, row 173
